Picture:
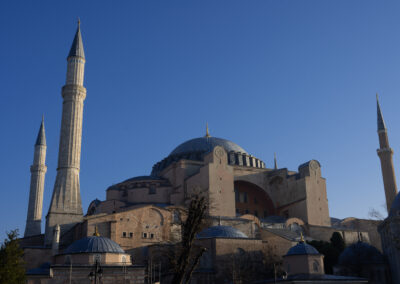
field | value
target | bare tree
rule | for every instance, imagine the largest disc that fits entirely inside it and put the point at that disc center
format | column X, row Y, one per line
column 375, row 214
column 250, row 266
column 187, row 254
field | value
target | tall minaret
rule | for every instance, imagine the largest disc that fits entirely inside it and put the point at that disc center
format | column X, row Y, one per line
column 38, row 171
column 66, row 207
column 385, row 153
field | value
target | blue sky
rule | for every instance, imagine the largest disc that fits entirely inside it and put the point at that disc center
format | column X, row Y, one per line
column 293, row 77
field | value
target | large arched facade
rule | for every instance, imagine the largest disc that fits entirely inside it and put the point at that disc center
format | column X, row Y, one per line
column 251, row 199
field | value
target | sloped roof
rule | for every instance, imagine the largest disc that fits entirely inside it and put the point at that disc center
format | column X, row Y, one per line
column 222, row 232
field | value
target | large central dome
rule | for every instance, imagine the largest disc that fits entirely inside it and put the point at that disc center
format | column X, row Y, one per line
column 206, row 144
column 195, row 150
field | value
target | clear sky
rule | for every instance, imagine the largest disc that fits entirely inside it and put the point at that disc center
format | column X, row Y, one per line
column 293, row 77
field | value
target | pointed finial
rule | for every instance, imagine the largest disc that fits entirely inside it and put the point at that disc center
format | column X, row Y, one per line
column 41, row 138
column 381, row 122
column 77, row 45
column 96, row 232
column 275, row 163
column 301, row 237
column 207, row 132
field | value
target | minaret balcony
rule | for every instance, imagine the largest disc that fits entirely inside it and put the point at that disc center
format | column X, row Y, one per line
column 38, row 168
column 384, row 151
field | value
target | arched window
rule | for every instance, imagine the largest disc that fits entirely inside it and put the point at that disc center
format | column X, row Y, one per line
column 67, row 259
column 240, row 252
column 316, row 266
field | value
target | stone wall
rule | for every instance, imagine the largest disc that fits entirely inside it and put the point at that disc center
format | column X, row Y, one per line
column 216, row 180
column 35, row 257
column 370, row 226
column 325, row 233
column 139, row 226
column 277, row 244
column 79, row 275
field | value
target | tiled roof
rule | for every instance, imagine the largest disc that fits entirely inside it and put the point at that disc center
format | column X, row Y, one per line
column 284, row 233
column 221, row 232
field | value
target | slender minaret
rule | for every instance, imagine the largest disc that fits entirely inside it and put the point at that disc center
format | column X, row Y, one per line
column 38, row 171
column 385, row 154
column 275, row 162
column 66, row 207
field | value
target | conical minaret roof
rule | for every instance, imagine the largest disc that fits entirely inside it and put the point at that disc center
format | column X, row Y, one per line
column 77, row 45
column 381, row 122
column 41, row 138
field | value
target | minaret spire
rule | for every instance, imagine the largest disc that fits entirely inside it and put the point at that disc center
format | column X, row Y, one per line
column 385, row 154
column 275, row 163
column 38, row 172
column 41, row 138
column 381, row 122
column 77, row 45
column 66, row 206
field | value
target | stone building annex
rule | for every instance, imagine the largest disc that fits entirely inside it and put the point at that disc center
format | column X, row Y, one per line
column 253, row 207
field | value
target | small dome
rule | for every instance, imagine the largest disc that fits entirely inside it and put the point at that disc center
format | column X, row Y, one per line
column 94, row 244
column 395, row 209
column 221, row 232
column 360, row 253
column 301, row 249
column 206, row 144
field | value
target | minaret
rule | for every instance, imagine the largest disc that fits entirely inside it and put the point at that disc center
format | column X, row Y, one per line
column 38, row 171
column 275, row 162
column 66, row 207
column 385, row 154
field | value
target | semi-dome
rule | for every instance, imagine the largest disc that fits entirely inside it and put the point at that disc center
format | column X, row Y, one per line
column 395, row 209
column 360, row 253
column 221, row 232
column 206, row 144
column 302, row 248
column 144, row 178
column 94, row 244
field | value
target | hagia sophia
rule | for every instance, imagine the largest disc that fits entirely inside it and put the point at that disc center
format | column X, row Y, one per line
column 252, row 208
